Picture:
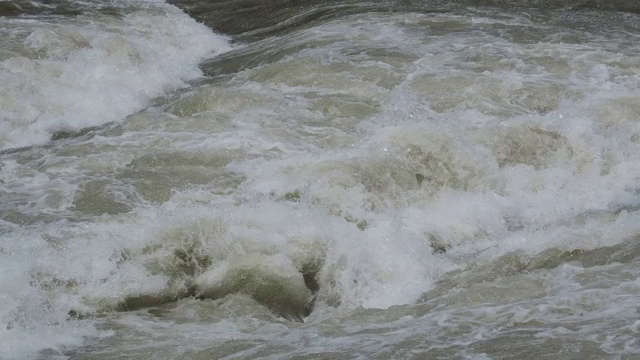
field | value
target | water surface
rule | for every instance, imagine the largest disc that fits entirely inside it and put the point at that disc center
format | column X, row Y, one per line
column 319, row 180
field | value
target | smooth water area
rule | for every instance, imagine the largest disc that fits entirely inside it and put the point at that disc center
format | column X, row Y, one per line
column 319, row 180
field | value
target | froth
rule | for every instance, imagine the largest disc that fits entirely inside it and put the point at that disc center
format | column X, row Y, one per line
column 86, row 71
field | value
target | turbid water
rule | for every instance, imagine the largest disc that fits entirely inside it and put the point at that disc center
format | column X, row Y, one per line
column 319, row 180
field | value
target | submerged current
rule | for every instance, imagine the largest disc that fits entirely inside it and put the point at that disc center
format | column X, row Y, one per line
column 315, row 180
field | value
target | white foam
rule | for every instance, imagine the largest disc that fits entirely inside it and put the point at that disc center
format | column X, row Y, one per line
column 87, row 71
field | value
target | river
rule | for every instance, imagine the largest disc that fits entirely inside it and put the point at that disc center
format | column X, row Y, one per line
column 296, row 179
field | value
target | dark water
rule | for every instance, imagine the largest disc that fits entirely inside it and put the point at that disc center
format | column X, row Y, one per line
column 255, row 19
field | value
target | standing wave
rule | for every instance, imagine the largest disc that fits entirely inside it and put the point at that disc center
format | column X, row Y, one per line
column 61, row 74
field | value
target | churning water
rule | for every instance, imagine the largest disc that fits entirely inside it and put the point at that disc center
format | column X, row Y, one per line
column 315, row 180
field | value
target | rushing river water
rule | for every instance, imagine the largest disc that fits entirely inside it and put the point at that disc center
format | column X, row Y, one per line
column 319, row 180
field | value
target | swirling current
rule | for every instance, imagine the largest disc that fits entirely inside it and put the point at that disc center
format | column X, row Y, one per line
column 306, row 179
